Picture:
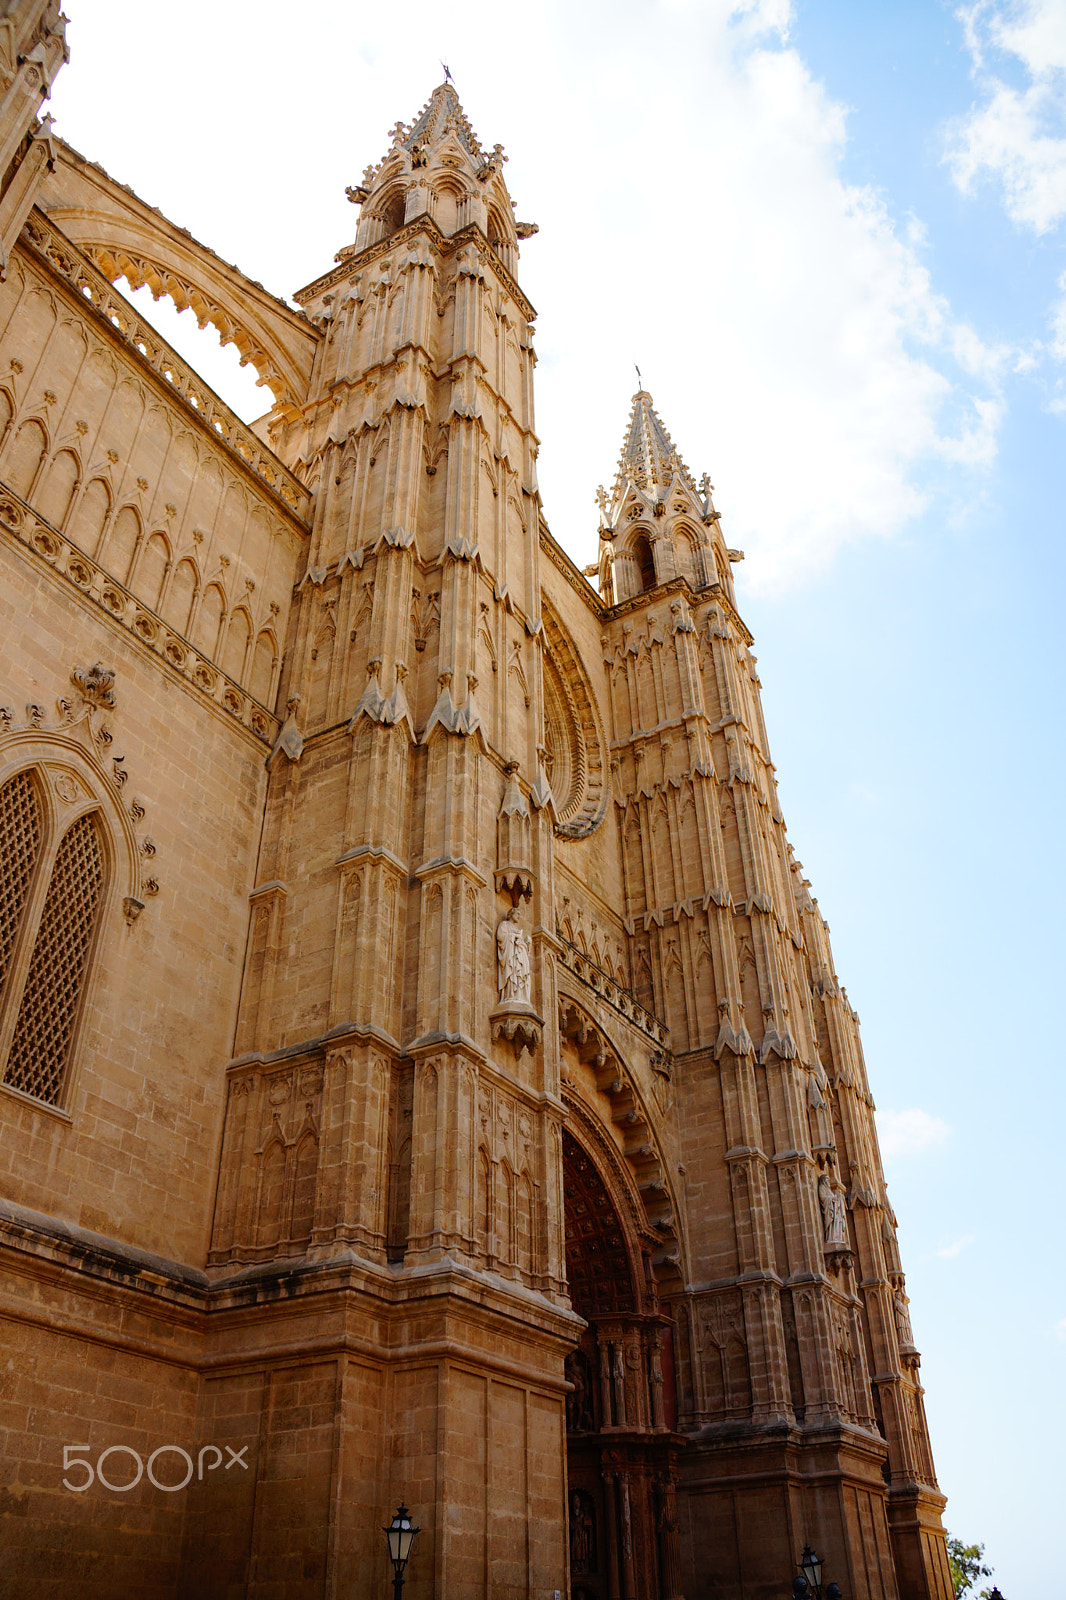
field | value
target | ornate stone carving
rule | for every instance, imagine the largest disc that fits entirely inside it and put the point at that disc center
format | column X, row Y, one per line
column 834, row 1215
column 513, row 948
column 514, row 874
column 97, row 684
column 514, row 1019
column 582, row 1533
column 901, row 1310
column 290, row 741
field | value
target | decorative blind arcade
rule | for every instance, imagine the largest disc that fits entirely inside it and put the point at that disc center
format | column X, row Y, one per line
column 49, row 1003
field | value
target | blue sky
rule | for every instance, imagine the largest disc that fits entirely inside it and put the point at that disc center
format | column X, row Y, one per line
column 834, row 237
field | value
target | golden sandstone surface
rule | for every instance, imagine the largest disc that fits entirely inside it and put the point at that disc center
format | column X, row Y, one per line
column 424, row 1071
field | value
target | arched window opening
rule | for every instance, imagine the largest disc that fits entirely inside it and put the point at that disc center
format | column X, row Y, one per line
column 447, row 200
column 392, row 213
column 642, row 555
column 20, row 842
column 498, row 238
column 48, row 1006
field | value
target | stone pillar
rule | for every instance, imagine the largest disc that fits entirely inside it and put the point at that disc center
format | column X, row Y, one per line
column 629, row 1565
column 669, row 1542
column 607, row 1409
column 610, row 1536
column 658, row 1414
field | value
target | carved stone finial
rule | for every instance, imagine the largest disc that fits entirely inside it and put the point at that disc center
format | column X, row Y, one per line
column 290, row 741
column 97, row 685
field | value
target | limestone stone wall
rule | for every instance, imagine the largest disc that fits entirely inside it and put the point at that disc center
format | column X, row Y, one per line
column 451, row 967
column 104, row 431
column 130, row 1148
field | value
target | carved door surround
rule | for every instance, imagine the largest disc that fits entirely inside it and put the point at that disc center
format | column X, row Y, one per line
column 622, row 1452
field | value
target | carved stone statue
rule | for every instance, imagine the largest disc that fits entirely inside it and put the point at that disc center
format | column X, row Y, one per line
column 834, row 1215
column 904, row 1332
column 582, row 1533
column 579, row 1400
column 513, row 947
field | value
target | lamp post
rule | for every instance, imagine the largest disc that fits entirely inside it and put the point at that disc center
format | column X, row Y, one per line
column 400, row 1536
column 809, row 1583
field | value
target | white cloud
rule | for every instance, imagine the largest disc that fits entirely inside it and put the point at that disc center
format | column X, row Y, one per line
column 1058, row 322
column 687, row 179
column 948, row 1252
column 1016, row 135
column 1059, row 1329
column 903, row 1134
column 786, row 324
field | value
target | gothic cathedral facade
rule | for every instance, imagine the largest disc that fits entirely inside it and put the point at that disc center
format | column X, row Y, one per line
column 424, row 1073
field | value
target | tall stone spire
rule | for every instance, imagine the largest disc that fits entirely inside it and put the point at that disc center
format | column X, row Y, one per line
column 438, row 167
column 649, row 458
column 657, row 525
column 441, row 114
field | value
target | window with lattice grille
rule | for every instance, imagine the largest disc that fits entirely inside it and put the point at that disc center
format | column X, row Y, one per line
column 20, row 842
column 51, row 889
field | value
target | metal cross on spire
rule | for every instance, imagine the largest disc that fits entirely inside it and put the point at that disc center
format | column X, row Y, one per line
column 447, row 73
column 640, row 380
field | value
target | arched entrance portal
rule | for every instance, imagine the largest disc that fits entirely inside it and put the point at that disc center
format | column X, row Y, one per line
column 620, row 1414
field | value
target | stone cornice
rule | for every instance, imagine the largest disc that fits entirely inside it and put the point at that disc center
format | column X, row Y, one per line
column 712, row 591
column 445, row 245
column 188, row 1301
column 570, row 571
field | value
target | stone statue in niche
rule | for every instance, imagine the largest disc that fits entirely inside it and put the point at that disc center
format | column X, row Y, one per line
column 834, row 1215
column 579, row 1401
column 513, row 947
column 904, row 1332
column 582, row 1533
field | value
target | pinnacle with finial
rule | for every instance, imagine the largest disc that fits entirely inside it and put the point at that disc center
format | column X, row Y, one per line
column 648, row 454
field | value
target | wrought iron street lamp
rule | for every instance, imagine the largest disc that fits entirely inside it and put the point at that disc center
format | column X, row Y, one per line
column 400, row 1536
column 809, row 1583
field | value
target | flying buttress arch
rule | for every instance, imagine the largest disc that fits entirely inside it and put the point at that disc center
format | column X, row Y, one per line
column 128, row 239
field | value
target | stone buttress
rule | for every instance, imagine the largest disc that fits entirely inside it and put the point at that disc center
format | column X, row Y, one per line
column 794, row 1341
column 381, row 1102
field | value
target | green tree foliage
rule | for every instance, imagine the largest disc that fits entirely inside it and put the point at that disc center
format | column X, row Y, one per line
column 967, row 1565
